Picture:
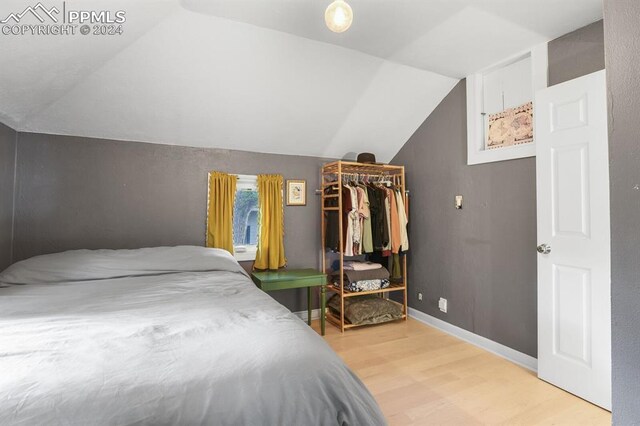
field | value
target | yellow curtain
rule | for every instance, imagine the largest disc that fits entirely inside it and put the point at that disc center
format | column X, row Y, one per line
column 270, row 253
column 222, row 194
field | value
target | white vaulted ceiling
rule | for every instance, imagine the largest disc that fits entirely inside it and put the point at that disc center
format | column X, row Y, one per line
column 266, row 75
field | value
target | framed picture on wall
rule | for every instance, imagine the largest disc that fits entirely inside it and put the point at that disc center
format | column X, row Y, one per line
column 296, row 192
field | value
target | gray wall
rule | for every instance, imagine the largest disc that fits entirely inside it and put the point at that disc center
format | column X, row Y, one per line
column 7, row 168
column 87, row 193
column 576, row 54
column 481, row 258
column 622, row 44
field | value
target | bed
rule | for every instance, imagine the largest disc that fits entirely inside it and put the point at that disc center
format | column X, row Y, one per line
column 162, row 336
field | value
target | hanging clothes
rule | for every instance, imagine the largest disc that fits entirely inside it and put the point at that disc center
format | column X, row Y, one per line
column 363, row 213
column 376, row 212
column 332, row 220
column 367, row 238
column 396, row 270
column 379, row 221
column 403, row 221
column 374, row 219
column 395, row 223
column 347, row 225
column 386, row 249
column 355, row 219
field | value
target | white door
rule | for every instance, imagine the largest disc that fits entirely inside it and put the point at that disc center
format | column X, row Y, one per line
column 574, row 266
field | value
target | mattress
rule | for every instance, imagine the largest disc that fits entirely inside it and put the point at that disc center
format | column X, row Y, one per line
column 160, row 336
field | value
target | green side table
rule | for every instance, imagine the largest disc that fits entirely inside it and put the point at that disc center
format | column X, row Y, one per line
column 285, row 279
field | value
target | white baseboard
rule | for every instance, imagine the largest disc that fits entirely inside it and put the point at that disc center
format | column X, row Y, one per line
column 315, row 314
column 523, row 360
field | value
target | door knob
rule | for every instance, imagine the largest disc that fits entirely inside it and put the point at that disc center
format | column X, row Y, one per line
column 544, row 249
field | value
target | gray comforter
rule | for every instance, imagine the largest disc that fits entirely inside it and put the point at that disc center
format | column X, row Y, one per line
column 162, row 336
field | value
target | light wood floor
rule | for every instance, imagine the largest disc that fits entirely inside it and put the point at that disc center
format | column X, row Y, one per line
column 422, row 376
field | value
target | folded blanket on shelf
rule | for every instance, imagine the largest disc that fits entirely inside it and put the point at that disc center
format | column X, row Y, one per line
column 367, row 309
column 364, row 285
column 373, row 279
column 372, row 274
column 360, row 266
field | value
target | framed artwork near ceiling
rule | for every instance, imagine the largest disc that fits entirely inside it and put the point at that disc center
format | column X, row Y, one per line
column 296, row 192
column 511, row 127
column 501, row 108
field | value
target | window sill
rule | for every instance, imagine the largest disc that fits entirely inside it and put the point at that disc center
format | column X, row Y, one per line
column 245, row 256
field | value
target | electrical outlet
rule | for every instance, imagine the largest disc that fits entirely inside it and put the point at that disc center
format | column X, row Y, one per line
column 420, row 297
column 442, row 304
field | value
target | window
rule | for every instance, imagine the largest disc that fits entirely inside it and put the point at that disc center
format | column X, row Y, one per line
column 508, row 84
column 245, row 218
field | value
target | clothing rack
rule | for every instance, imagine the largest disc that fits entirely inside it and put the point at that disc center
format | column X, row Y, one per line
column 336, row 174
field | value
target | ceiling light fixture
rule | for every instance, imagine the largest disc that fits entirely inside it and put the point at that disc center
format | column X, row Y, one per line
column 338, row 16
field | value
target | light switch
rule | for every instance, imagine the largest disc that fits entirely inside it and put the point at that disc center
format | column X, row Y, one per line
column 458, row 202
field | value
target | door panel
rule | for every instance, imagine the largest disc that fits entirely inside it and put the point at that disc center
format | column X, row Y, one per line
column 570, row 187
column 574, row 277
column 572, row 314
column 568, row 114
